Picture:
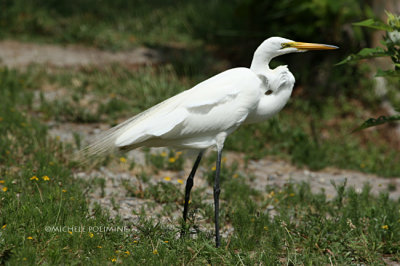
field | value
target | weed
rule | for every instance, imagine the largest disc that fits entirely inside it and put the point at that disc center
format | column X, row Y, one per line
column 165, row 160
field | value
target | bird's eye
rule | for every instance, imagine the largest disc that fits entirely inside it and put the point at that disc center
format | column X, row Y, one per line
column 285, row 45
column 268, row 92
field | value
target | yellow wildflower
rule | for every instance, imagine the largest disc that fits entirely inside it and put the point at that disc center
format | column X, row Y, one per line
column 180, row 181
column 385, row 227
column 99, row 246
column 4, row 226
column 51, row 163
column 29, row 237
column 24, row 259
column 266, row 228
column 163, row 154
column 166, row 241
column 46, row 178
column 64, row 190
column 34, row 178
column 171, row 160
column 135, row 241
column 113, row 259
column 167, row 178
column 291, row 195
column 235, row 176
column 2, row 181
column 178, row 154
column 155, row 252
column 5, row 189
column 69, row 232
column 122, row 160
column 91, row 235
column 127, row 252
column 214, row 168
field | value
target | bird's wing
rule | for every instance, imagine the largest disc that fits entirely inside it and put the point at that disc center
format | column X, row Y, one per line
column 106, row 141
column 216, row 104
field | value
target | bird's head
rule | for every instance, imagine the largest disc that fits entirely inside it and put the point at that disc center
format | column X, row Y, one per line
column 276, row 46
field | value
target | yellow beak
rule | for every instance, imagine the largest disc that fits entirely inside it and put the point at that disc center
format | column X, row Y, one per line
column 311, row 46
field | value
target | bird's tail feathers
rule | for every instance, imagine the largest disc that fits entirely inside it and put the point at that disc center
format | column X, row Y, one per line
column 104, row 143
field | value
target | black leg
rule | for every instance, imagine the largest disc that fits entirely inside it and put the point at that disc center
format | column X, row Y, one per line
column 189, row 185
column 216, row 198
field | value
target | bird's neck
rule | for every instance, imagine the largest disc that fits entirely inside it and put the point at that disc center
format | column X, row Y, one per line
column 260, row 62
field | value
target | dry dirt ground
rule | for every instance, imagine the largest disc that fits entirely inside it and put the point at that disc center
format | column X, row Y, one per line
column 266, row 171
column 17, row 54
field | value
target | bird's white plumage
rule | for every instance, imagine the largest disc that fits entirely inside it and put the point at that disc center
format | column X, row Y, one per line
column 193, row 118
column 204, row 115
column 280, row 82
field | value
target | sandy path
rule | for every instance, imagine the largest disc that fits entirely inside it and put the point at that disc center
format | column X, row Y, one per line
column 17, row 54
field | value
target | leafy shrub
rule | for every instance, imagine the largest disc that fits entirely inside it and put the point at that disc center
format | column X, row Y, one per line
column 391, row 43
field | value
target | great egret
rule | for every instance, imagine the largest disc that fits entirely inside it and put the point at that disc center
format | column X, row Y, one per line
column 206, row 114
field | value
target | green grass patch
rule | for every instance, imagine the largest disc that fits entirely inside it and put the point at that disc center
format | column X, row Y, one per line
column 112, row 25
column 45, row 219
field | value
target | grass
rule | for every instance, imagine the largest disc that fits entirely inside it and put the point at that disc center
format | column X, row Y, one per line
column 113, row 25
column 46, row 220
column 289, row 226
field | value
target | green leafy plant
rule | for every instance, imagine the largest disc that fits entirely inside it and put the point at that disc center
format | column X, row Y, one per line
column 391, row 43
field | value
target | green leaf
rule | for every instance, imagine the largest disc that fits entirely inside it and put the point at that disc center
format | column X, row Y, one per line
column 376, row 122
column 387, row 73
column 372, row 52
column 363, row 54
column 374, row 24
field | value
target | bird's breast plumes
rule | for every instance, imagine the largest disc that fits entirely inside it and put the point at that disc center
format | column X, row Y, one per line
column 280, row 81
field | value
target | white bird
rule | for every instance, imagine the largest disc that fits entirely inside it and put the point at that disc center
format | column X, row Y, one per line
column 206, row 114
